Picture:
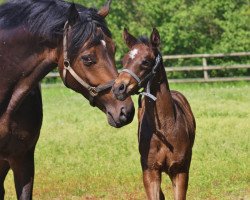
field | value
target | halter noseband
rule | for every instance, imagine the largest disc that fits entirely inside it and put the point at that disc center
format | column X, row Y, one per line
column 148, row 78
column 93, row 91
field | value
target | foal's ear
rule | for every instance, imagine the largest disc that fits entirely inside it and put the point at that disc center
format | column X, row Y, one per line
column 155, row 38
column 129, row 39
column 73, row 15
column 104, row 11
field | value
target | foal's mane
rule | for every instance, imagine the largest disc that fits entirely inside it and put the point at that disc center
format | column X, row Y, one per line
column 46, row 19
column 144, row 40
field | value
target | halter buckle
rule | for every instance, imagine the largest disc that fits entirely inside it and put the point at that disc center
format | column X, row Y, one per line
column 93, row 92
column 66, row 64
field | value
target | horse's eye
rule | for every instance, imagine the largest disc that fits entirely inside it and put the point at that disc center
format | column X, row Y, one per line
column 87, row 60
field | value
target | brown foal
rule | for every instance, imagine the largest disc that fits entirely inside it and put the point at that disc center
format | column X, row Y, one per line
column 166, row 128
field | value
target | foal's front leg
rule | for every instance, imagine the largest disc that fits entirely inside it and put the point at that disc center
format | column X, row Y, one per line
column 23, row 168
column 180, row 185
column 152, row 184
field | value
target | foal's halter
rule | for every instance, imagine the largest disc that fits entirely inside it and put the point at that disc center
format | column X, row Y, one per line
column 148, row 78
column 93, row 91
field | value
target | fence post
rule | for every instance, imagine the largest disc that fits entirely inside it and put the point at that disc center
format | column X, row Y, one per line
column 204, row 63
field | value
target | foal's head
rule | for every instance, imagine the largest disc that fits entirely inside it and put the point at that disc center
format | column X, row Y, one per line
column 87, row 63
column 139, row 61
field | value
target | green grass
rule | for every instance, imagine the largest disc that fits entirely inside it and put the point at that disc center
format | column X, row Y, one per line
column 79, row 156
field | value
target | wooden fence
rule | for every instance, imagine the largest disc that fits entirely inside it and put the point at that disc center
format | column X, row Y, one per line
column 204, row 67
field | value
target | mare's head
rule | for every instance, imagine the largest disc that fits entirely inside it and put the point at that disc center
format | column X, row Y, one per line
column 137, row 63
column 87, row 62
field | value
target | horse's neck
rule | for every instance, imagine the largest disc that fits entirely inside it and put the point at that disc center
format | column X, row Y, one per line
column 27, row 45
column 161, row 112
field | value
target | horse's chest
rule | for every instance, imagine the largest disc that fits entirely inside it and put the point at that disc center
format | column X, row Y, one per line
column 16, row 143
column 25, row 127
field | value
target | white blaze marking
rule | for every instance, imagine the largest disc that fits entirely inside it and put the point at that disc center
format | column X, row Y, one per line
column 133, row 53
column 103, row 43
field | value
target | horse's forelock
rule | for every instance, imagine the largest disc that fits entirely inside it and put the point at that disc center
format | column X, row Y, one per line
column 86, row 30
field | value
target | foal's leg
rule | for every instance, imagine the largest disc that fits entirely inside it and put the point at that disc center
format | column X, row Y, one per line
column 23, row 169
column 180, row 185
column 4, row 168
column 152, row 184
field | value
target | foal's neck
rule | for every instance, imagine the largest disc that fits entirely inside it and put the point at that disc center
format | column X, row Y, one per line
column 161, row 111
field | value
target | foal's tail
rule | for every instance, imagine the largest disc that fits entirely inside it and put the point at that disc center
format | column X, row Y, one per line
column 183, row 104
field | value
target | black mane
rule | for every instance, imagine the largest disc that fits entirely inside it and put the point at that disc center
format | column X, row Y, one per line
column 46, row 19
column 144, row 39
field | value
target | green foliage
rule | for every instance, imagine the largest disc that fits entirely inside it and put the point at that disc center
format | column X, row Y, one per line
column 186, row 26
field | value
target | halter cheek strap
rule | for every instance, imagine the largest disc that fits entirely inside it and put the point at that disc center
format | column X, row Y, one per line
column 149, row 77
column 93, row 91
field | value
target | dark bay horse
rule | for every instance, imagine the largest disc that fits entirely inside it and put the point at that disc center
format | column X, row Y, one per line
column 36, row 37
column 166, row 124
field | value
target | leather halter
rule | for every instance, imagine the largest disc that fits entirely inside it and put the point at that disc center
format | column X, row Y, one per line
column 148, row 78
column 93, row 91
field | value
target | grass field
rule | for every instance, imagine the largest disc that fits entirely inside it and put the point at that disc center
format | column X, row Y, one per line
column 79, row 156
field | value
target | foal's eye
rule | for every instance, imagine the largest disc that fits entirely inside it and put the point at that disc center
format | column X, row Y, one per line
column 87, row 60
column 146, row 64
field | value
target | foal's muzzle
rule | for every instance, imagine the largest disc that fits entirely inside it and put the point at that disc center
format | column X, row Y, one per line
column 119, row 91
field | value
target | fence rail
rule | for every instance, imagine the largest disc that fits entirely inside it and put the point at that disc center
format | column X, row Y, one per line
column 218, row 55
column 211, row 67
column 204, row 67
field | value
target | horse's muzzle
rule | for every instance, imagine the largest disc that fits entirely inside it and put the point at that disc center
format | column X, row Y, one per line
column 122, row 114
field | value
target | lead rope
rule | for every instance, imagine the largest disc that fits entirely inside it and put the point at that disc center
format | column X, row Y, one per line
column 148, row 92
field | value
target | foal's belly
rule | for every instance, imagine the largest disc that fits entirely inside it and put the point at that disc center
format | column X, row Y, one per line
column 163, row 152
column 157, row 155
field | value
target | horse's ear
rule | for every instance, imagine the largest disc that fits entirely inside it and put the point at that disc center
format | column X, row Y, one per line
column 155, row 38
column 104, row 11
column 129, row 39
column 73, row 15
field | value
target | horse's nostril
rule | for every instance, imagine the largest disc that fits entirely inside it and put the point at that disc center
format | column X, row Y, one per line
column 123, row 116
column 122, row 88
column 123, row 111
